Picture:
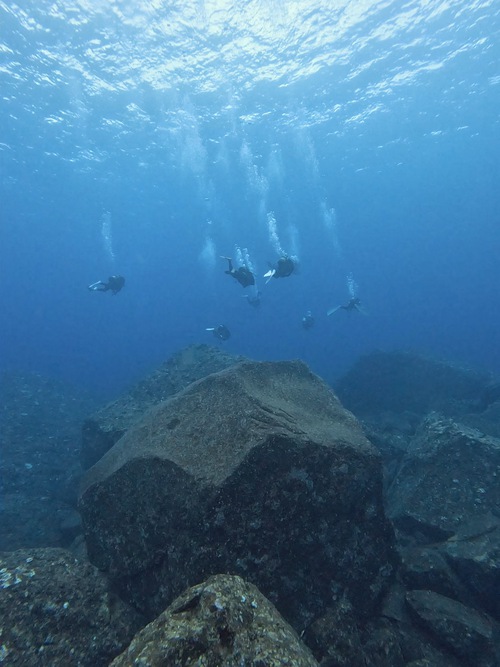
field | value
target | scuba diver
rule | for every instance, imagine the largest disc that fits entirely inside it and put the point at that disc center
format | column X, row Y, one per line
column 221, row 332
column 353, row 304
column 242, row 274
column 308, row 320
column 253, row 298
column 283, row 268
column 114, row 284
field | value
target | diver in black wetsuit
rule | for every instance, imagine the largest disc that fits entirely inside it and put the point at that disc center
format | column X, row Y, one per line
column 283, row 268
column 114, row 284
column 242, row 274
column 352, row 304
column 254, row 298
column 221, row 332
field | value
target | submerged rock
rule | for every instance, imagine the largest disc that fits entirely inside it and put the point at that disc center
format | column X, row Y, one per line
column 426, row 568
column 55, row 611
column 487, row 420
column 473, row 555
column 40, row 422
column 448, row 476
column 256, row 470
column 466, row 633
column 465, row 567
column 105, row 427
column 404, row 382
column 335, row 638
column 389, row 639
column 222, row 622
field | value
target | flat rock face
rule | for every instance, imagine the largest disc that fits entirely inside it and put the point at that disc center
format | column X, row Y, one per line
column 473, row 554
column 108, row 425
column 222, row 622
column 468, row 634
column 56, row 610
column 448, row 476
column 256, row 470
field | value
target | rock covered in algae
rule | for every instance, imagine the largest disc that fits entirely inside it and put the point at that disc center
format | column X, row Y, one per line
column 448, row 478
column 222, row 622
column 109, row 424
column 58, row 611
column 256, row 470
column 467, row 633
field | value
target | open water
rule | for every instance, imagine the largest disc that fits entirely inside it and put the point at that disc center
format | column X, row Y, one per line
column 147, row 139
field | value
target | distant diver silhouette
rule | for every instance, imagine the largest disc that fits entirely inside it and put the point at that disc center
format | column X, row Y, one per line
column 221, row 332
column 114, row 284
column 283, row 268
column 242, row 274
column 352, row 304
column 253, row 299
column 308, row 320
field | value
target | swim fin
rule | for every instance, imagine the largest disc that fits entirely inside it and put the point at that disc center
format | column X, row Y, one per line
column 269, row 275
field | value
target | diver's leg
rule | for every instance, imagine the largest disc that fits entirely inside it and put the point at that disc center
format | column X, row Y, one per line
column 99, row 286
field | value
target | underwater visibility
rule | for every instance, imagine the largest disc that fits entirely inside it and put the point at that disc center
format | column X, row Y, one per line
column 249, row 361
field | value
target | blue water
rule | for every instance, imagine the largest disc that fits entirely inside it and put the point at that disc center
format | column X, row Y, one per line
column 149, row 138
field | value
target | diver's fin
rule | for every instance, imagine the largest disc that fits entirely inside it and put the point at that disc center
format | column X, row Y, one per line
column 269, row 275
column 210, row 329
column 332, row 310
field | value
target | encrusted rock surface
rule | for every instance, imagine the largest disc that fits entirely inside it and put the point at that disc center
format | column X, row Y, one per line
column 473, row 555
column 449, row 475
column 56, row 611
column 105, row 427
column 426, row 568
column 466, row 633
column 465, row 567
column 223, row 622
column 486, row 420
column 256, row 470
column 389, row 639
column 40, row 423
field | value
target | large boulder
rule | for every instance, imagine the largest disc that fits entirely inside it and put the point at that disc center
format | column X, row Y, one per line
column 222, row 622
column 465, row 567
column 467, row 634
column 485, row 419
column 256, row 470
column 426, row 568
column 383, row 383
column 389, row 639
column 56, row 610
column 474, row 557
column 107, row 425
column 448, row 477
